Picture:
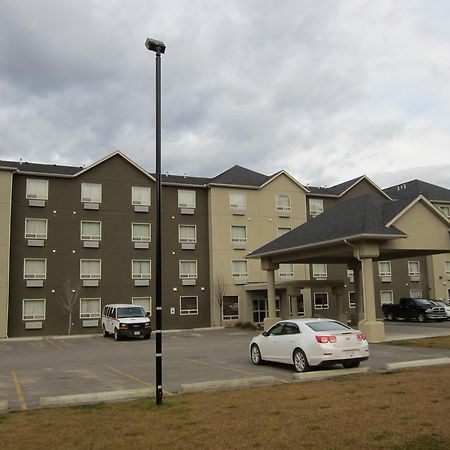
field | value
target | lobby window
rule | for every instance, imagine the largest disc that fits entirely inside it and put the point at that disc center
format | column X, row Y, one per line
column 140, row 196
column 187, row 234
column 33, row 309
column 413, row 268
column 36, row 228
column 321, row 300
column 35, row 269
column 188, row 269
column 386, row 297
column 141, row 232
column 315, row 206
column 141, row 269
column 91, row 192
column 37, row 189
column 90, row 308
column 319, row 271
column 230, row 307
column 188, row 306
column 144, row 302
column 91, row 230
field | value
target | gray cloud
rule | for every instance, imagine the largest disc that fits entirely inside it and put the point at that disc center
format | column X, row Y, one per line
column 325, row 90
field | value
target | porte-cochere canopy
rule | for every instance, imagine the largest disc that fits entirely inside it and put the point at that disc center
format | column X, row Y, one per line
column 358, row 232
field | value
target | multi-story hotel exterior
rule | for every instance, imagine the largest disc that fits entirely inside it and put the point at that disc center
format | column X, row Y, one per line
column 73, row 239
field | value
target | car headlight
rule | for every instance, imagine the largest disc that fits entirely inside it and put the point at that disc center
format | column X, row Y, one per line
column 428, row 310
column 123, row 326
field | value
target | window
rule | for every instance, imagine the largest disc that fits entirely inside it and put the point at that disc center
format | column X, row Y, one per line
column 282, row 230
column 237, row 200
column 386, row 297
column 384, row 268
column 186, row 199
column 187, row 234
column 37, row 189
column 315, row 206
column 141, row 232
column 319, row 270
column 447, row 267
column 321, row 300
column 140, row 196
column 413, row 268
column 36, row 228
column 286, row 270
column 91, row 192
column 230, row 307
column 238, row 233
column 33, row 309
column 351, row 275
column 351, row 300
column 144, row 302
column 188, row 306
column 90, row 308
column 415, row 293
column 239, row 269
column 35, row 269
column 90, row 269
column 141, row 269
column 188, row 269
column 91, row 231
column 445, row 210
column 283, row 203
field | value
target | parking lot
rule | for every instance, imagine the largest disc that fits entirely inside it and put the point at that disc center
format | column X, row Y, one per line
column 56, row 366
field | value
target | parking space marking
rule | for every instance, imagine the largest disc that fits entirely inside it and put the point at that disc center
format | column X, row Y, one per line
column 55, row 345
column 217, row 366
column 132, row 377
column 23, row 403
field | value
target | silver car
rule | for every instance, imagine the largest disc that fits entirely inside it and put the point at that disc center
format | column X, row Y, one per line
column 310, row 342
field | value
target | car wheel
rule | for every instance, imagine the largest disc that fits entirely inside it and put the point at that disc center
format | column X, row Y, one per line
column 350, row 364
column 390, row 317
column 116, row 334
column 300, row 361
column 421, row 318
column 104, row 332
column 255, row 354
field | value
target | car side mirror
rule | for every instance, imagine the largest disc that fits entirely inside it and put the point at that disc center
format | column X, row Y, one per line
column 147, row 314
column 265, row 333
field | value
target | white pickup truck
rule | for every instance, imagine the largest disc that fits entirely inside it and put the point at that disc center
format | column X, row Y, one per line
column 125, row 320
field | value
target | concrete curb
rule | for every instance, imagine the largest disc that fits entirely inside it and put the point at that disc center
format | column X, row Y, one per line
column 323, row 374
column 227, row 384
column 3, row 406
column 416, row 363
column 96, row 397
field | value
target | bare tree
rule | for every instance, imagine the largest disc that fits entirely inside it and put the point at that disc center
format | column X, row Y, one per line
column 68, row 297
column 219, row 292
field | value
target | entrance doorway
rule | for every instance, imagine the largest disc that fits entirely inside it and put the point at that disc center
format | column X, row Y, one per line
column 296, row 306
column 260, row 309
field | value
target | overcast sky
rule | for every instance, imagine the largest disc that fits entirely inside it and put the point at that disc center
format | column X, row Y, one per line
column 327, row 90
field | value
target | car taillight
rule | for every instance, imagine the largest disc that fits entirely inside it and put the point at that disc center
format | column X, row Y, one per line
column 326, row 339
column 361, row 337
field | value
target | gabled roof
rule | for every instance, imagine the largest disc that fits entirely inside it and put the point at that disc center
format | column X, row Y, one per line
column 364, row 216
column 283, row 172
column 41, row 169
column 240, row 176
column 340, row 189
column 412, row 189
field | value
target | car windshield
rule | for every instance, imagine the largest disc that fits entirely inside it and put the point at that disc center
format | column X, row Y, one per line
column 422, row 301
column 130, row 312
column 327, row 325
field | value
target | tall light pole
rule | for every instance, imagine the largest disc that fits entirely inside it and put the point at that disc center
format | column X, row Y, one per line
column 158, row 47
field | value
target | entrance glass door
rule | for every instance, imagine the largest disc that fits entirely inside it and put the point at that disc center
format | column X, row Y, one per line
column 260, row 309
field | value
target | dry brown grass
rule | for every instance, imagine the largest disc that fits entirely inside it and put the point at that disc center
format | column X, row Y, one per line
column 404, row 410
column 433, row 342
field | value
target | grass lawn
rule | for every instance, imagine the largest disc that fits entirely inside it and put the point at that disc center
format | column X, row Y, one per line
column 397, row 410
column 433, row 342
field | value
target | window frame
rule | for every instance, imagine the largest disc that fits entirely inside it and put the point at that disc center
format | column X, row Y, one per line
column 187, row 240
column 138, row 276
column 447, row 267
column 314, row 212
column 319, row 275
column 138, row 304
column 38, row 276
column 391, row 294
column 384, row 274
column 327, row 306
column 85, row 199
column 286, row 274
column 238, row 240
column 135, row 202
column 30, row 195
column 280, row 208
column 96, row 315
column 188, row 206
column 239, row 274
column 35, row 235
column 288, row 229
column 410, row 272
column 86, row 237
column 189, row 312
column 230, row 316
column 188, row 276
column 84, row 276
column 35, row 317
column 237, row 205
column 143, row 239
column 351, row 305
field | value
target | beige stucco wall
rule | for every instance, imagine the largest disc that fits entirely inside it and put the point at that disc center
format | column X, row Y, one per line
column 438, row 280
column 262, row 220
column 5, row 223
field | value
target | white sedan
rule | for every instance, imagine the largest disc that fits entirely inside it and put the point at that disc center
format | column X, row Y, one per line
column 310, row 342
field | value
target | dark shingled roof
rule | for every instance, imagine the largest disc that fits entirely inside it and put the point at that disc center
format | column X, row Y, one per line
column 335, row 190
column 240, row 176
column 51, row 169
column 367, row 214
column 182, row 179
column 412, row 189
